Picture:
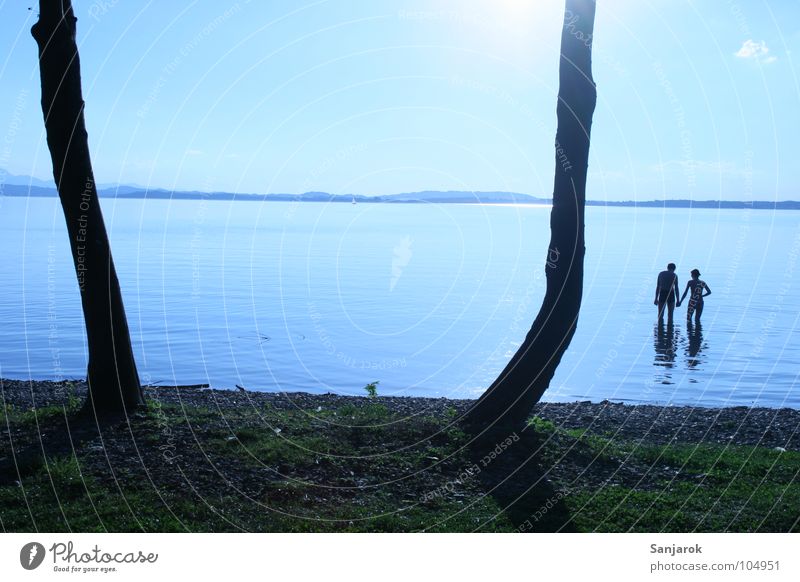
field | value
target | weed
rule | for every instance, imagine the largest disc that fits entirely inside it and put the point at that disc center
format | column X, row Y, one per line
column 372, row 389
column 541, row 425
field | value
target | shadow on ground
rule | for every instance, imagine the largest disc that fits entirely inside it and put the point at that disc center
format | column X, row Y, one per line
column 25, row 448
column 513, row 475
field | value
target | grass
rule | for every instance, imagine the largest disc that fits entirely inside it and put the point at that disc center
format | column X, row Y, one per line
column 361, row 467
column 13, row 415
column 687, row 487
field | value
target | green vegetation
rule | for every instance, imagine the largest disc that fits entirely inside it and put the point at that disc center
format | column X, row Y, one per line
column 199, row 468
column 361, row 466
column 14, row 415
column 685, row 487
column 372, row 389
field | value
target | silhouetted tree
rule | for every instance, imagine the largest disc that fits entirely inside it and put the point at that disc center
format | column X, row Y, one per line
column 511, row 397
column 112, row 377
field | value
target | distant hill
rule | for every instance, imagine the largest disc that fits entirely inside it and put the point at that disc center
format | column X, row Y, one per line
column 723, row 204
column 26, row 186
column 408, row 197
column 11, row 179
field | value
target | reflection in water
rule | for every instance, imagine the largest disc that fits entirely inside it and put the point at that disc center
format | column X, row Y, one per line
column 695, row 346
column 666, row 343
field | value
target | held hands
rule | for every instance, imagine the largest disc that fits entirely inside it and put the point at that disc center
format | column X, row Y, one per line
column 655, row 302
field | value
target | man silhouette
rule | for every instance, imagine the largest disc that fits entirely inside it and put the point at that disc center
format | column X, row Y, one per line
column 666, row 292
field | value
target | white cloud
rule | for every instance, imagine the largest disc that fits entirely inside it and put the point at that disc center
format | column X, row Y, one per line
column 755, row 50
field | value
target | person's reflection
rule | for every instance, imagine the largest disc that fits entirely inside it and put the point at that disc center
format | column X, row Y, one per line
column 695, row 346
column 666, row 342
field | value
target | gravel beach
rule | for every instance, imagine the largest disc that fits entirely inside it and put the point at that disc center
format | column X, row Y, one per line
column 766, row 427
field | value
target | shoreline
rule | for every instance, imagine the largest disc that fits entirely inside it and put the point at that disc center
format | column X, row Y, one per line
column 470, row 198
column 231, row 460
column 645, row 423
column 46, row 389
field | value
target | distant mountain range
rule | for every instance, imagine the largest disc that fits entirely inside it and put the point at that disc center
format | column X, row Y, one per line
column 32, row 187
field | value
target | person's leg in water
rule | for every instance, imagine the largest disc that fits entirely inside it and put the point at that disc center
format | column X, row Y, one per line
column 698, row 312
column 661, row 308
column 670, row 308
column 690, row 310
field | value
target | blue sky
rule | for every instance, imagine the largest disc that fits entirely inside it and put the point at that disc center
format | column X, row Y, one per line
column 696, row 99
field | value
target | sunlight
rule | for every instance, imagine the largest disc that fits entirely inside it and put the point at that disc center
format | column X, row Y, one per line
column 515, row 29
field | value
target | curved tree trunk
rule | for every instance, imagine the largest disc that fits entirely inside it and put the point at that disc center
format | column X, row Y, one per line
column 519, row 387
column 112, row 376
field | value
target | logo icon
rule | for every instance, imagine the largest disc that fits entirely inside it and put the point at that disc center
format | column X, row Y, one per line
column 31, row 555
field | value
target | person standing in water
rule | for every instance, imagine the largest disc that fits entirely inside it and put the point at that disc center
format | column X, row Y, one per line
column 667, row 292
column 699, row 290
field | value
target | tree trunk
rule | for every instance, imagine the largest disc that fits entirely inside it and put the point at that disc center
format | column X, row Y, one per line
column 510, row 399
column 112, row 377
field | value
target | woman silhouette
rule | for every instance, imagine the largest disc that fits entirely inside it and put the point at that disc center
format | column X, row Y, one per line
column 699, row 290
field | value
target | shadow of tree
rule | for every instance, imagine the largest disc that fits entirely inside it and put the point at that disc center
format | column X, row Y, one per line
column 27, row 445
column 512, row 473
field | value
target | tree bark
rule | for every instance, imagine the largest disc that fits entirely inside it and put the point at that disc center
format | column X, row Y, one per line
column 112, row 377
column 511, row 397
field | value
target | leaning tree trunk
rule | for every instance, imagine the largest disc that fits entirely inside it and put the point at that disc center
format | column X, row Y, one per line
column 511, row 397
column 112, row 377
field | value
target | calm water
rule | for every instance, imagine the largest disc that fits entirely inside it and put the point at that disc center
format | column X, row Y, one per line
column 428, row 299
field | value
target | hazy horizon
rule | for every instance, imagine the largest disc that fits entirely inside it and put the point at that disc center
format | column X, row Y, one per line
column 32, row 181
column 695, row 101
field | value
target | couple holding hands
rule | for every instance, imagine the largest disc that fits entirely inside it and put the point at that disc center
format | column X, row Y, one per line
column 667, row 292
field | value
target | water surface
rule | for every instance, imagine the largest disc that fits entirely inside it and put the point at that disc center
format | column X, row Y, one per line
column 429, row 299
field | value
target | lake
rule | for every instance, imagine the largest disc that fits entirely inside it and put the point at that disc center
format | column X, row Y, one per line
column 428, row 299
